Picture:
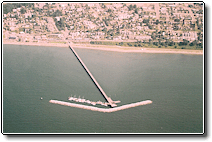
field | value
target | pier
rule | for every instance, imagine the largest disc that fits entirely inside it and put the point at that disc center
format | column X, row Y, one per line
column 101, row 109
column 110, row 101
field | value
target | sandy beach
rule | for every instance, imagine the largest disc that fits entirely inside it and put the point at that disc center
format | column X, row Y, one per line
column 112, row 48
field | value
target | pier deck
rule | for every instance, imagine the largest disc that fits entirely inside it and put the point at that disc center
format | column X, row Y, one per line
column 110, row 101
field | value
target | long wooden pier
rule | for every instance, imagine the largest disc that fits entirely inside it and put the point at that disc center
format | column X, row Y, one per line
column 101, row 109
column 110, row 101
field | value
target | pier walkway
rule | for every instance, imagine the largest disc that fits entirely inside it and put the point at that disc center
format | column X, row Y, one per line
column 110, row 101
column 101, row 109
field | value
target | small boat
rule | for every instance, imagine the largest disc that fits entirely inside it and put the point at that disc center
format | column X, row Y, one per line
column 104, row 104
column 74, row 99
column 83, row 100
column 88, row 101
column 79, row 99
column 99, row 102
column 41, row 98
column 70, row 98
column 93, row 103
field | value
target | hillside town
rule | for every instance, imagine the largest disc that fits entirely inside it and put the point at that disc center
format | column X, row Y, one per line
column 158, row 24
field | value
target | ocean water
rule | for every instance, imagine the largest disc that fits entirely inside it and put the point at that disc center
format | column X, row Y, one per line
column 174, row 82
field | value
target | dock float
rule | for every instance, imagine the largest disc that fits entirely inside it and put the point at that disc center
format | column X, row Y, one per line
column 110, row 101
column 101, row 109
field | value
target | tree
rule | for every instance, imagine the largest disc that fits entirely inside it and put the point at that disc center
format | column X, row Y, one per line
column 134, row 6
column 157, row 22
column 23, row 10
column 121, row 43
column 130, row 7
column 153, row 36
column 104, row 30
column 103, row 5
column 109, row 10
column 8, row 7
column 136, row 10
column 193, row 43
column 176, row 20
column 129, row 44
column 146, row 21
column 185, row 42
column 155, row 43
column 57, row 13
column 192, row 26
column 150, row 26
column 175, row 28
column 60, row 24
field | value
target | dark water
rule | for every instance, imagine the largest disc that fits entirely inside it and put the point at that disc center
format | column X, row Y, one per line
column 174, row 82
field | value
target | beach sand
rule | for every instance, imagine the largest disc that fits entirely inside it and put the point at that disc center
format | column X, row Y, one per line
column 112, row 48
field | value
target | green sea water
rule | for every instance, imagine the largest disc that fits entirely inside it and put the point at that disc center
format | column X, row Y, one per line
column 174, row 82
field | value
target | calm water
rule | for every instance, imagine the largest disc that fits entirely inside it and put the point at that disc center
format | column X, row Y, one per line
column 174, row 82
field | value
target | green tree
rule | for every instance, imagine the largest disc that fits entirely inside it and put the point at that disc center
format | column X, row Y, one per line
column 103, row 5
column 150, row 26
column 134, row 6
column 129, row 44
column 109, row 10
column 57, row 13
column 157, row 22
column 193, row 43
column 23, row 10
column 121, row 43
column 60, row 24
column 130, row 7
column 8, row 7
column 146, row 21
column 136, row 10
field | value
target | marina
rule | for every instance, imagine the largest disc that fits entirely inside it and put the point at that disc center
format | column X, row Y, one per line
column 101, row 109
column 82, row 100
column 109, row 102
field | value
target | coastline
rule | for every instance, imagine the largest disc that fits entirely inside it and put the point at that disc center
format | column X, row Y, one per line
column 112, row 48
column 36, row 43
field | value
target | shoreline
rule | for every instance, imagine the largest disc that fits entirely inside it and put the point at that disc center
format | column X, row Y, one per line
column 113, row 48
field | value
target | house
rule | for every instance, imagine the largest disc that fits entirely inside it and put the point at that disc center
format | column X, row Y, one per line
column 39, row 5
column 143, row 37
column 58, row 18
column 43, row 37
column 12, row 37
column 37, row 27
column 12, row 28
column 55, row 36
column 14, row 10
column 37, row 38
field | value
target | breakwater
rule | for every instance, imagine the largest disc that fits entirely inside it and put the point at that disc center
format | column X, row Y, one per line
column 101, row 109
column 110, row 101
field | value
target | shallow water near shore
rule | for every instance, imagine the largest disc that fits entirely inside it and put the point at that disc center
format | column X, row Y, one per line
column 174, row 82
